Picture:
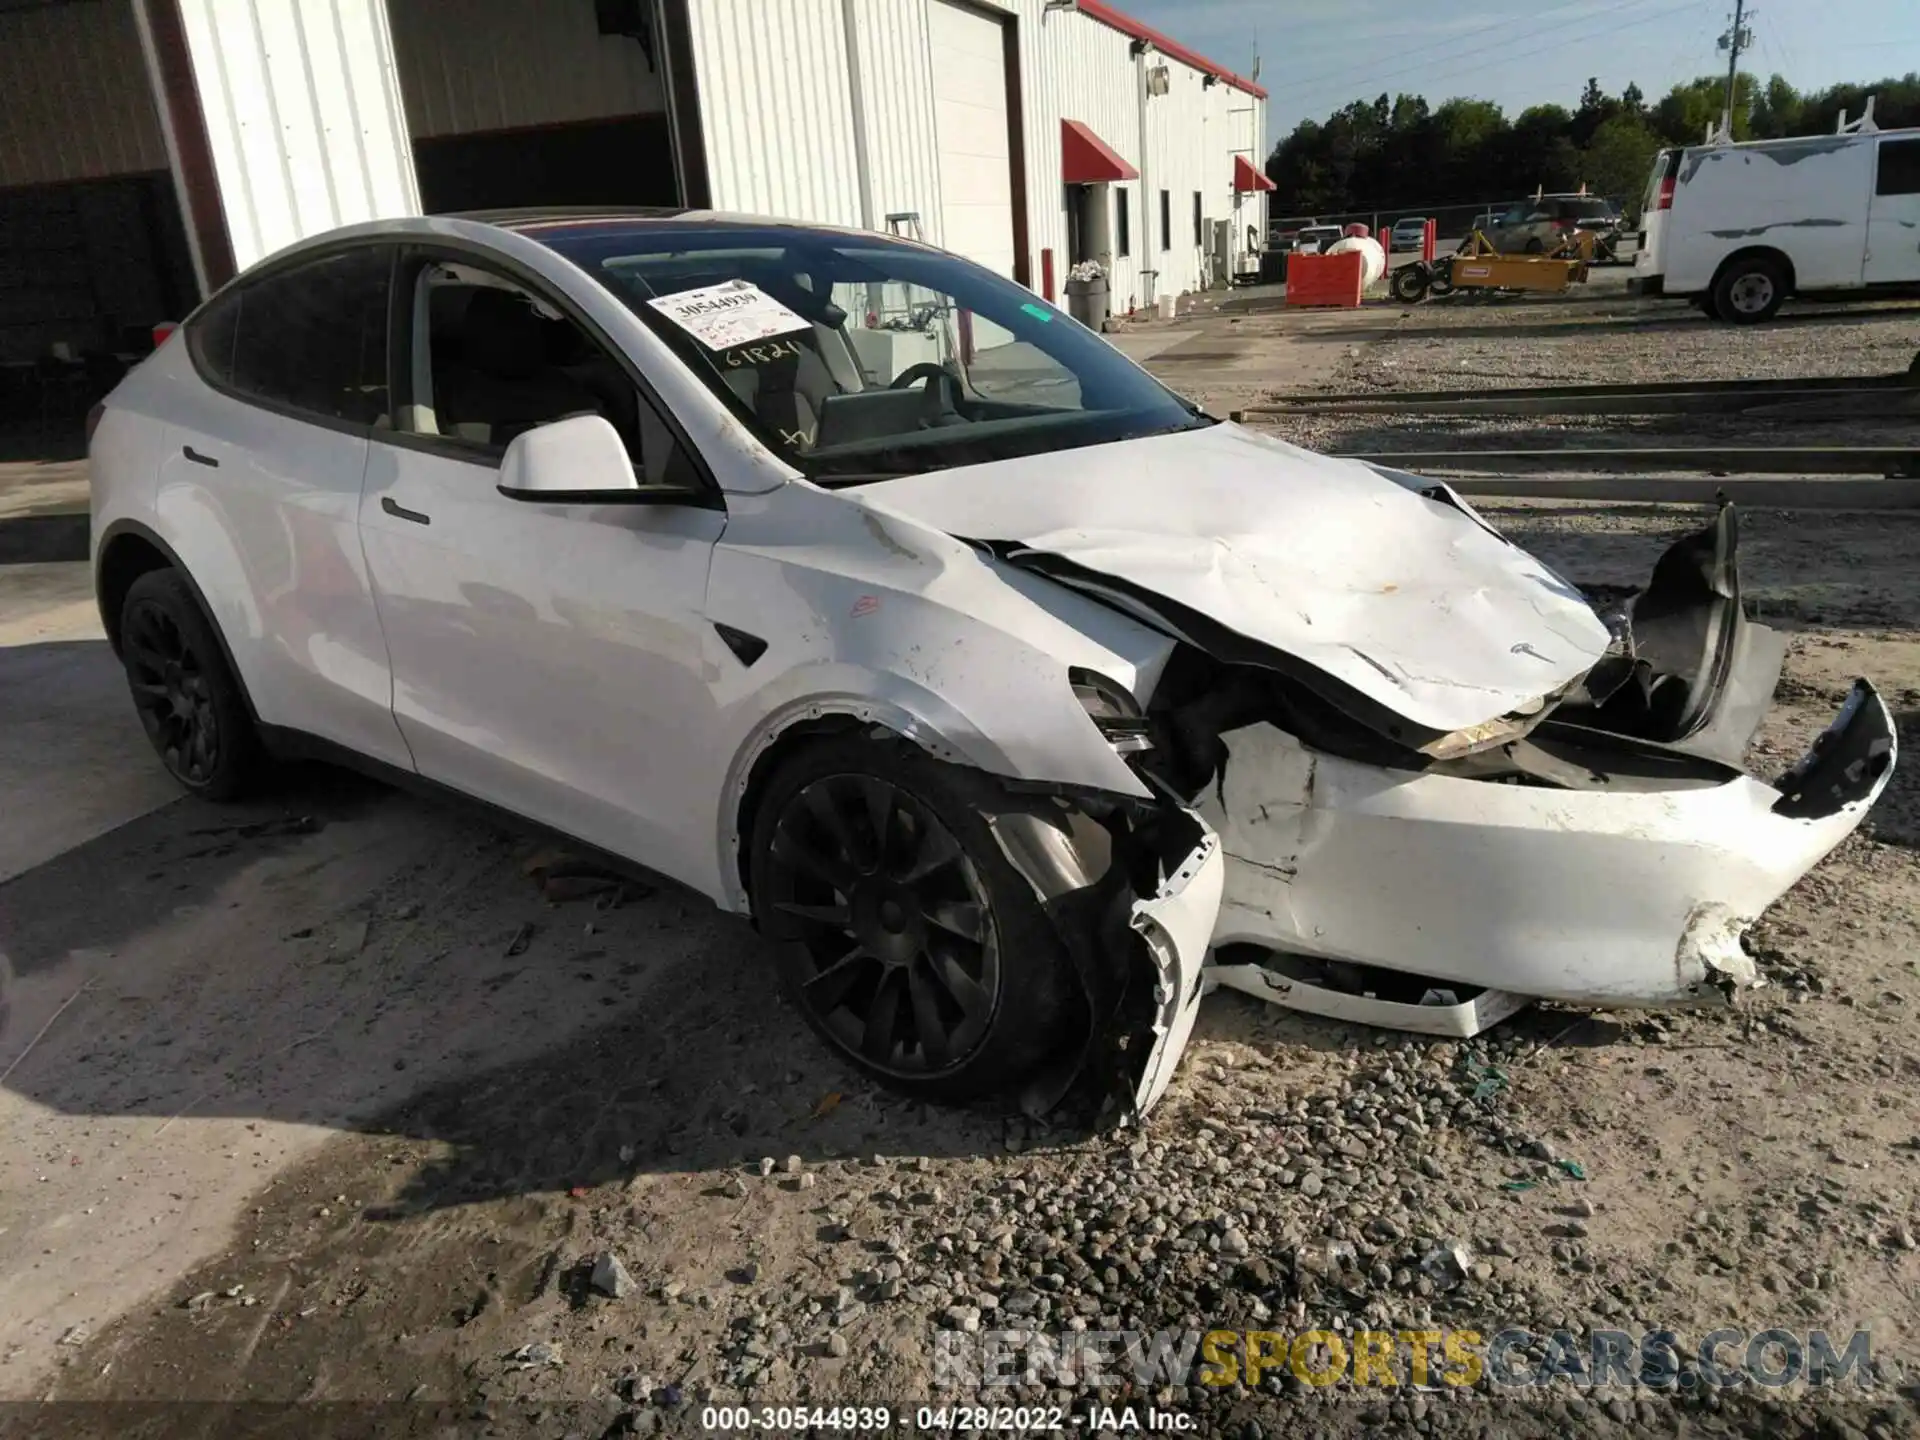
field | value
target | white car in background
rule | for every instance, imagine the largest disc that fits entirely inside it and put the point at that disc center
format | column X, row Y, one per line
column 1316, row 239
column 1408, row 233
column 860, row 590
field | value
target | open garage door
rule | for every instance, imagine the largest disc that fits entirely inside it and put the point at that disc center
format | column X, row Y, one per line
column 514, row 104
column 92, row 250
column 972, row 132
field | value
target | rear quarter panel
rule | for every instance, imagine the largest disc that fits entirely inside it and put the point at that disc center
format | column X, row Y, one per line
column 1807, row 199
column 122, row 466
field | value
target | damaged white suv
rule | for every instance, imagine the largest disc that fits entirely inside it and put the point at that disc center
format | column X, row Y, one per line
column 861, row 590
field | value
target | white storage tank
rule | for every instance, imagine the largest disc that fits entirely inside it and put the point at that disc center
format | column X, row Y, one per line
column 1373, row 259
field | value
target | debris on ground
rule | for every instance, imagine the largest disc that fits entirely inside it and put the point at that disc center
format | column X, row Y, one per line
column 610, row 1277
column 539, row 1354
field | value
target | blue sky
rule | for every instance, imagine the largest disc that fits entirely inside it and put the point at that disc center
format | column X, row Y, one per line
column 1316, row 56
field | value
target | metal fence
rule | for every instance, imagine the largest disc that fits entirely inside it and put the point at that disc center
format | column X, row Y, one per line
column 1453, row 219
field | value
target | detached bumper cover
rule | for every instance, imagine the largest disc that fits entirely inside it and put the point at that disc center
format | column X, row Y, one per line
column 1177, row 926
column 1631, row 897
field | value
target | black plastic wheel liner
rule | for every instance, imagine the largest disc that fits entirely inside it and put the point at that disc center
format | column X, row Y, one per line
column 1686, row 629
column 1844, row 764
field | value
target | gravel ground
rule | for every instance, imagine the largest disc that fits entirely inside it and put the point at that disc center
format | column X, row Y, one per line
column 1517, row 344
column 794, row 1235
column 1512, row 343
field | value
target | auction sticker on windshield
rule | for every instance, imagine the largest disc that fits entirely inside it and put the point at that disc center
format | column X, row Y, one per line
column 723, row 316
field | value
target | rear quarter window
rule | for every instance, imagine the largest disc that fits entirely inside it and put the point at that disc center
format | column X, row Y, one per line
column 312, row 338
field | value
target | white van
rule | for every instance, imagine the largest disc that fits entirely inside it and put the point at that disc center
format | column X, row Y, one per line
column 1738, row 228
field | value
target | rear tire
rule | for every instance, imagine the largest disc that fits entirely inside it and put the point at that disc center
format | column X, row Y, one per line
column 1536, row 246
column 902, row 934
column 187, row 697
column 1749, row 290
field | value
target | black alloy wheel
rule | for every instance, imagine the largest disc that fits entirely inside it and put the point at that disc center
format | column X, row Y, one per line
column 893, row 952
column 187, row 699
column 171, row 693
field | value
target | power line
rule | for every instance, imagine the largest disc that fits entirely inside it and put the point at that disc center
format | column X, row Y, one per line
column 1513, row 36
column 1447, row 72
column 1580, row 5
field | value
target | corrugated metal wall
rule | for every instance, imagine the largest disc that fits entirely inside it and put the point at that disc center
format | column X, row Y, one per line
column 777, row 108
column 476, row 65
column 303, row 116
column 1076, row 68
column 75, row 101
column 896, row 64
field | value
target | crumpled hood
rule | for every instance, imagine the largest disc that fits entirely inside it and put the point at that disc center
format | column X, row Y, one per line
column 1412, row 602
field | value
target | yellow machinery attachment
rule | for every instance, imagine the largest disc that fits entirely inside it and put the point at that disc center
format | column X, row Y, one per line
column 1478, row 266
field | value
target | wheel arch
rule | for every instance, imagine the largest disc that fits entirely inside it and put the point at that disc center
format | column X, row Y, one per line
column 1754, row 252
column 785, row 733
column 128, row 550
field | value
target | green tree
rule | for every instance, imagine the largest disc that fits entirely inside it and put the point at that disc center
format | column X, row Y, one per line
column 1393, row 152
column 1596, row 108
column 1690, row 110
column 1538, row 153
column 1776, row 110
column 1619, row 158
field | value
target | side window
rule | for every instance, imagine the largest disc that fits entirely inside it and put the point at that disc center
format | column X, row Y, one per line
column 1899, row 168
column 490, row 360
column 1122, row 231
column 313, row 338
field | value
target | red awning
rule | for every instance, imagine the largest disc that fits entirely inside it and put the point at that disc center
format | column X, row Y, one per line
column 1246, row 179
column 1086, row 159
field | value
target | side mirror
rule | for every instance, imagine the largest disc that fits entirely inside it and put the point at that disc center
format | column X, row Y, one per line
column 580, row 460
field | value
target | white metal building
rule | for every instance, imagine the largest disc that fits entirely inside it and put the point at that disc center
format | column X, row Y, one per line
column 149, row 148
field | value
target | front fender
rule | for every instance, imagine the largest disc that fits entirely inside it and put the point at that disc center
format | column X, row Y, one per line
column 921, row 717
column 915, row 712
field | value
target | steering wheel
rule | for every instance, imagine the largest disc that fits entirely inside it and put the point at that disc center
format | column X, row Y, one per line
column 943, row 387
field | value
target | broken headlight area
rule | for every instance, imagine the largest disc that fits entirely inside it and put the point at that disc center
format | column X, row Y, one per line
column 1133, row 890
column 1113, row 710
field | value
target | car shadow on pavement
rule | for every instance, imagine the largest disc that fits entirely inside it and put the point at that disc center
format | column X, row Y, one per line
column 351, row 957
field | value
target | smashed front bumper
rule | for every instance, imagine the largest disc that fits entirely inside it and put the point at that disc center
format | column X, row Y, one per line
column 1634, row 896
column 1134, row 898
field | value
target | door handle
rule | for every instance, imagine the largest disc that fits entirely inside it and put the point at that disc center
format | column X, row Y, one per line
column 400, row 512
column 197, row 458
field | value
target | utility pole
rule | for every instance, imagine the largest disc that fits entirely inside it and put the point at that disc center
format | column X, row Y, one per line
column 1733, row 42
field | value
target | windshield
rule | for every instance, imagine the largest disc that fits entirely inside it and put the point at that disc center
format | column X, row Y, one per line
column 856, row 357
column 1590, row 209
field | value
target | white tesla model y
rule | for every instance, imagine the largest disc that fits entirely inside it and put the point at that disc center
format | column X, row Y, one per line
column 1018, row 701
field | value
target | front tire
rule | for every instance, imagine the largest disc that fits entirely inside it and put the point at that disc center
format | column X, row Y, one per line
column 902, row 933
column 188, row 700
column 1749, row 291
